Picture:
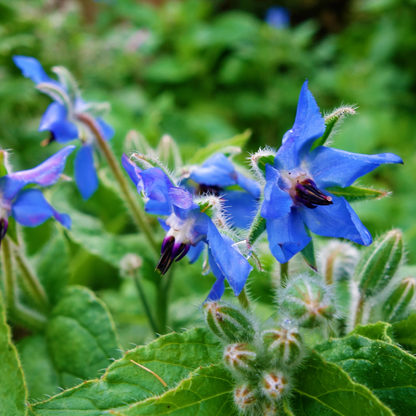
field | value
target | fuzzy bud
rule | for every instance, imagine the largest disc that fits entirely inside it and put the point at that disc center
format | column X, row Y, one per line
column 275, row 384
column 308, row 302
column 284, row 343
column 245, row 397
column 240, row 357
column 399, row 300
column 269, row 409
column 228, row 323
column 379, row 263
column 129, row 264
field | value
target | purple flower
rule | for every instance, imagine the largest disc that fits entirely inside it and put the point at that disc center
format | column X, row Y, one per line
column 28, row 206
column 278, row 17
column 62, row 118
column 189, row 229
column 296, row 191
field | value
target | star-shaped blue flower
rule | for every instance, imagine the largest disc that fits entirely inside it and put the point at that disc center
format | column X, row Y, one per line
column 189, row 229
column 295, row 194
column 215, row 175
column 62, row 119
column 28, row 206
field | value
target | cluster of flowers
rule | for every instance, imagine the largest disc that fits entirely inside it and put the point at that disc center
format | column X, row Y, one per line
column 208, row 207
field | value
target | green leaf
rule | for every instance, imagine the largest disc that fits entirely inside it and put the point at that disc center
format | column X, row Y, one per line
column 206, row 392
column 257, row 228
column 357, row 193
column 240, row 140
column 325, row 389
column 13, row 392
column 172, row 357
column 405, row 333
column 81, row 336
column 263, row 161
column 388, row 371
column 381, row 331
column 308, row 254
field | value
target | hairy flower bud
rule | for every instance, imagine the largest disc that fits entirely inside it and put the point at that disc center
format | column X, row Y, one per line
column 129, row 264
column 228, row 323
column 284, row 343
column 399, row 300
column 379, row 263
column 308, row 302
column 275, row 384
column 240, row 357
column 269, row 409
column 245, row 397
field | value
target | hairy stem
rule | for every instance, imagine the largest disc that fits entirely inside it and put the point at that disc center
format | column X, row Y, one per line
column 284, row 274
column 162, row 300
column 359, row 314
column 134, row 208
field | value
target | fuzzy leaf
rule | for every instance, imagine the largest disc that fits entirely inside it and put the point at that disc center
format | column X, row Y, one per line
column 405, row 333
column 357, row 193
column 172, row 357
column 388, row 371
column 13, row 392
column 381, row 331
column 257, row 228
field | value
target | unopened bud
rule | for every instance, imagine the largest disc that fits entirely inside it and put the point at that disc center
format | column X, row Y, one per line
column 240, row 357
column 4, row 165
column 130, row 263
column 168, row 152
column 379, row 263
column 136, row 141
column 245, row 397
column 269, row 409
column 228, row 323
column 275, row 384
column 399, row 300
column 308, row 302
column 284, row 342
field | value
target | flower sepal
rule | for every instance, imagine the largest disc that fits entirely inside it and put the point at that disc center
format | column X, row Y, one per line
column 68, row 81
column 57, row 94
column 357, row 193
column 260, row 159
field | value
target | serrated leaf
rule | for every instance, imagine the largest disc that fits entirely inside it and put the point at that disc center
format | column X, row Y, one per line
column 81, row 336
column 405, row 333
column 325, row 389
column 13, row 392
column 388, row 371
column 240, row 140
column 381, row 331
column 206, row 392
column 172, row 357
column 357, row 193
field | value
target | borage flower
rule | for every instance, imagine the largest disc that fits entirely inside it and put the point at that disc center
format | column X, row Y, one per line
column 28, row 206
column 64, row 118
column 191, row 224
column 215, row 176
column 296, row 191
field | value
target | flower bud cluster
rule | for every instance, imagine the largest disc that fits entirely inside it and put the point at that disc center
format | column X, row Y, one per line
column 262, row 363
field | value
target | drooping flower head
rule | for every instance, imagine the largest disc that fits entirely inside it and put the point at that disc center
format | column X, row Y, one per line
column 28, row 206
column 297, row 191
column 190, row 227
column 215, row 176
column 63, row 118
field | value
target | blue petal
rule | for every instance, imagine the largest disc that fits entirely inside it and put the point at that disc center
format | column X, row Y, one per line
column 181, row 198
column 106, row 130
column 47, row 173
column 55, row 120
column 240, row 208
column 31, row 209
column 195, row 251
column 158, row 208
column 132, row 169
column 338, row 220
column 251, row 186
column 32, row 69
column 287, row 236
column 332, row 167
column 219, row 286
column 232, row 264
column 277, row 203
column 156, row 185
column 309, row 126
column 277, row 17
column 163, row 224
column 84, row 171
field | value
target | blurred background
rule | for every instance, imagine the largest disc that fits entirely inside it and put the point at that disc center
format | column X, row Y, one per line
column 204, row 71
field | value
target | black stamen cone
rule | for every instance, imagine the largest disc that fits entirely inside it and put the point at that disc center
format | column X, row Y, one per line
column 309, row 194
column 166, row 258
column 3, row 229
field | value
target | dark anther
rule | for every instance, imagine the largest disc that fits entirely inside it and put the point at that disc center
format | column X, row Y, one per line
column 3, row 228
column 205, row 189
column 309, row 194
column 170, row 253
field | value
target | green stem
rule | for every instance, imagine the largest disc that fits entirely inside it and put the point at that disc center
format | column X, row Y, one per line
column 360, row 312
column 162, row 300
column 135, row 210
column 145, row 303
column 243, row 299
column 284, row 274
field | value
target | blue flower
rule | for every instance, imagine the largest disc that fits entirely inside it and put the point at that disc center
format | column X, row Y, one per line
column 28, row 206
column 189, row 228
column 215, row 175
column 278, row 17
column 295, row 193
column 62, row 119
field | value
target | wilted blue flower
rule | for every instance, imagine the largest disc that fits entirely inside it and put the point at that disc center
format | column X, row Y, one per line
column 62, row 118
column 278, row 17
column 188, row 229
column 295, row 194
column 28, row 206
column 215, row 175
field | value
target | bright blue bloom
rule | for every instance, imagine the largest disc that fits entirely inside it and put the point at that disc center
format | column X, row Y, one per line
column 215, row 175
column 295, row 194
column 28, row 206
column 61, row 119
column 278, row 17
column 188, row 230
